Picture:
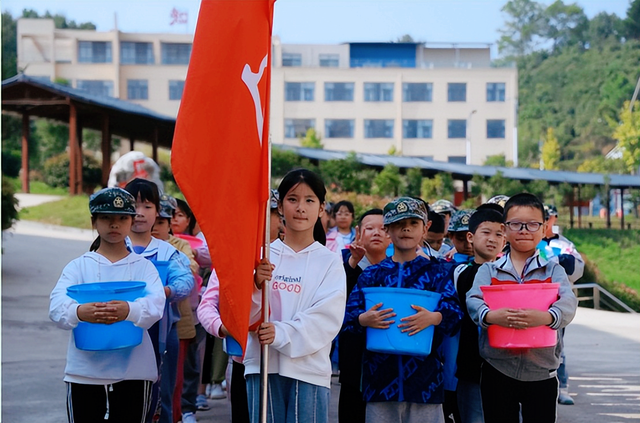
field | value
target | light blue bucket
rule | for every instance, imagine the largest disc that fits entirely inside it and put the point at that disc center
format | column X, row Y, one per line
column 392, row 340
column 232, row 347
column 103, row 337
column 163, row 270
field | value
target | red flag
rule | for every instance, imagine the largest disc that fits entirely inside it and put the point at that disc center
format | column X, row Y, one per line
column 220, row 147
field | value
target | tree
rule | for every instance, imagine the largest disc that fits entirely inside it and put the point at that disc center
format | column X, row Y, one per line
column 414, row 182
column 311, row 139
column 347, row 174
column 406, row 38
column 9, row 46
column 632, row 23
column 602, row 28
column 550, row 151
column 628, row 135
column 440, row 186
column 388, row 182
column 565, row 24
column 524, row 25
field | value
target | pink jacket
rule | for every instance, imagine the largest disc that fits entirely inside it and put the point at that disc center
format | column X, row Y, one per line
column 208, row 310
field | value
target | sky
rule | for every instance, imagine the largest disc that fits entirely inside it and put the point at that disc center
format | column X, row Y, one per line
column 316, row 21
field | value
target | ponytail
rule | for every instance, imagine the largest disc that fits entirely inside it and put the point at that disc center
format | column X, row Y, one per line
column 319, row 233
column 95, row 244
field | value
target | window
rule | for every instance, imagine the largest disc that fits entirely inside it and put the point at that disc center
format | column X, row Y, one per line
column 104, row 88
column 458, row 91
column 296, row 128
column 338, row 128
column 136, row 53
column 94, row 51
column 176, row 88
column 329, row 60
column 378, row 128
column 495, row 128
column 457, row 159
column 175, row 53
column 417, row 128
column 137, row 89
column 291, row 59
column 375, row 91
column 417, row 91
column 457, row 128
column 338, row 91
column 299, row 91
column 495, row 91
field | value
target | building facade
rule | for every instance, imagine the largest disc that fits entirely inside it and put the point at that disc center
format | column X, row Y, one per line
column 445, row 102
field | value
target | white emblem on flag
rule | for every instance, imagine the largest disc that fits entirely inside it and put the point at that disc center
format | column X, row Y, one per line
column 251, row 80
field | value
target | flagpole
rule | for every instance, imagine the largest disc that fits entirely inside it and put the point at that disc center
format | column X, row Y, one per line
column 264, row 358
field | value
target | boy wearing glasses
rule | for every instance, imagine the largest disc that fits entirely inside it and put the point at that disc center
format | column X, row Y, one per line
column 514, row 381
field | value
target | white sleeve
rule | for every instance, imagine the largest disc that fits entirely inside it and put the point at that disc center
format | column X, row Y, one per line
column 63, row 308
column 315, row 327
column 147, row 310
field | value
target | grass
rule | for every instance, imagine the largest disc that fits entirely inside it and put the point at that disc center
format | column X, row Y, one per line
column 38, row 187
column 70, row 211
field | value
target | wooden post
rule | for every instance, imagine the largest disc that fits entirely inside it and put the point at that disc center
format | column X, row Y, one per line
column 465, row 188
column 132, row 143
column 579, row 209
column 73, row 147
column 79, row 158
column 25, row 152
column 608, row 205
column 571, row 208
column 106, row 150
column 154, row 144
column 622, row 208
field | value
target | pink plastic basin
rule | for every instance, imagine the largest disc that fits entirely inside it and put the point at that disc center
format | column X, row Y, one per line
column 193, row 241
column 537, row 296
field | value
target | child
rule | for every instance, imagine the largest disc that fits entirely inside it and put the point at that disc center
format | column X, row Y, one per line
column 367, row 249
column 522, row 379
column 458, row 229
column 307, row 298
column 111, row 385
column 486, row 236
column 178, row 286
column 186, row 325
column 343, row 234
column 400, row 387
column 435, row 235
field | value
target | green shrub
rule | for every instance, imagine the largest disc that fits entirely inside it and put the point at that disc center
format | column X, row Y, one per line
column 56, row 171
column 9, row 204
column 11, row 163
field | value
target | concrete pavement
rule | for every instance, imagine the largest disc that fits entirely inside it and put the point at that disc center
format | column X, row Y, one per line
column 603, row 348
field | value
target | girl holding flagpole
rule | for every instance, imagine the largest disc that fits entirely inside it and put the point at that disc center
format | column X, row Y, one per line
column 306, row 284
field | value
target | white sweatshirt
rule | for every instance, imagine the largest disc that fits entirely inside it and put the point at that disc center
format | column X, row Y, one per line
column 307, row 300
column 107, row 367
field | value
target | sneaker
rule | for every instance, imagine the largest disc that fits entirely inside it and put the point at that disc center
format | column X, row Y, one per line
column 217, row 392
column 188, row 418
column 224, row 385
column 207, row 390
column 565, row 399
column 201, row 403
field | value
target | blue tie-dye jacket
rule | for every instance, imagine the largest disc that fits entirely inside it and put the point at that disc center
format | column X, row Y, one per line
column 390, row 377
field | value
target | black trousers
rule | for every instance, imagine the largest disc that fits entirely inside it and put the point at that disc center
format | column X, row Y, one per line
column 238, row 394
column 503, row 397
column 122, row 402
column 351, row 406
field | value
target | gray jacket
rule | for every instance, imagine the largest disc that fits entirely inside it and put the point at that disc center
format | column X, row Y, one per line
column 523, row 364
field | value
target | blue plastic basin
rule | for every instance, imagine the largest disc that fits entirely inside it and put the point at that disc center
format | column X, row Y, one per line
column 103, row 337
column 392, row 340
column 232, row 347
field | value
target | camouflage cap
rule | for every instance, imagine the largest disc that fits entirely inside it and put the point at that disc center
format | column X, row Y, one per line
column 500, row 200
column 460, row 220
column 275, row 198
column 550, row 210
column 443, row 206
column 112, row 201
column 168, row 206
column 405, row 208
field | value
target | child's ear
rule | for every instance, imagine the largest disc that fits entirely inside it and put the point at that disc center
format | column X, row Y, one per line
column 470, row 237
column 321, row 209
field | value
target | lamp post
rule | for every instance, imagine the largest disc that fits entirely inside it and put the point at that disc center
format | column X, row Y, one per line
column 469, row 136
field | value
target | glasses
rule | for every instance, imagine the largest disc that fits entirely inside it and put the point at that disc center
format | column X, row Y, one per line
column 529, row 226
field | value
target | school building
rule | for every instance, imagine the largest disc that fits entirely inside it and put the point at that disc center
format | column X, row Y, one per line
column 444, row 102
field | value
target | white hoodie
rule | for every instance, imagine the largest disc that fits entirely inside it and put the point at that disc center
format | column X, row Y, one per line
column 107, row 367
column 307, row 300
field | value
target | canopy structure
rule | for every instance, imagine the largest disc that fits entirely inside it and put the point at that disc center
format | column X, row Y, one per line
column 28, row 96
column 466, row 172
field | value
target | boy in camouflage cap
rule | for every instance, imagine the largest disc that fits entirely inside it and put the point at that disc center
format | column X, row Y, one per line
column 458, row 228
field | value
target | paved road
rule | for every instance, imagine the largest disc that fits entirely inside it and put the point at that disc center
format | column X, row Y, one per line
column 603, row 348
